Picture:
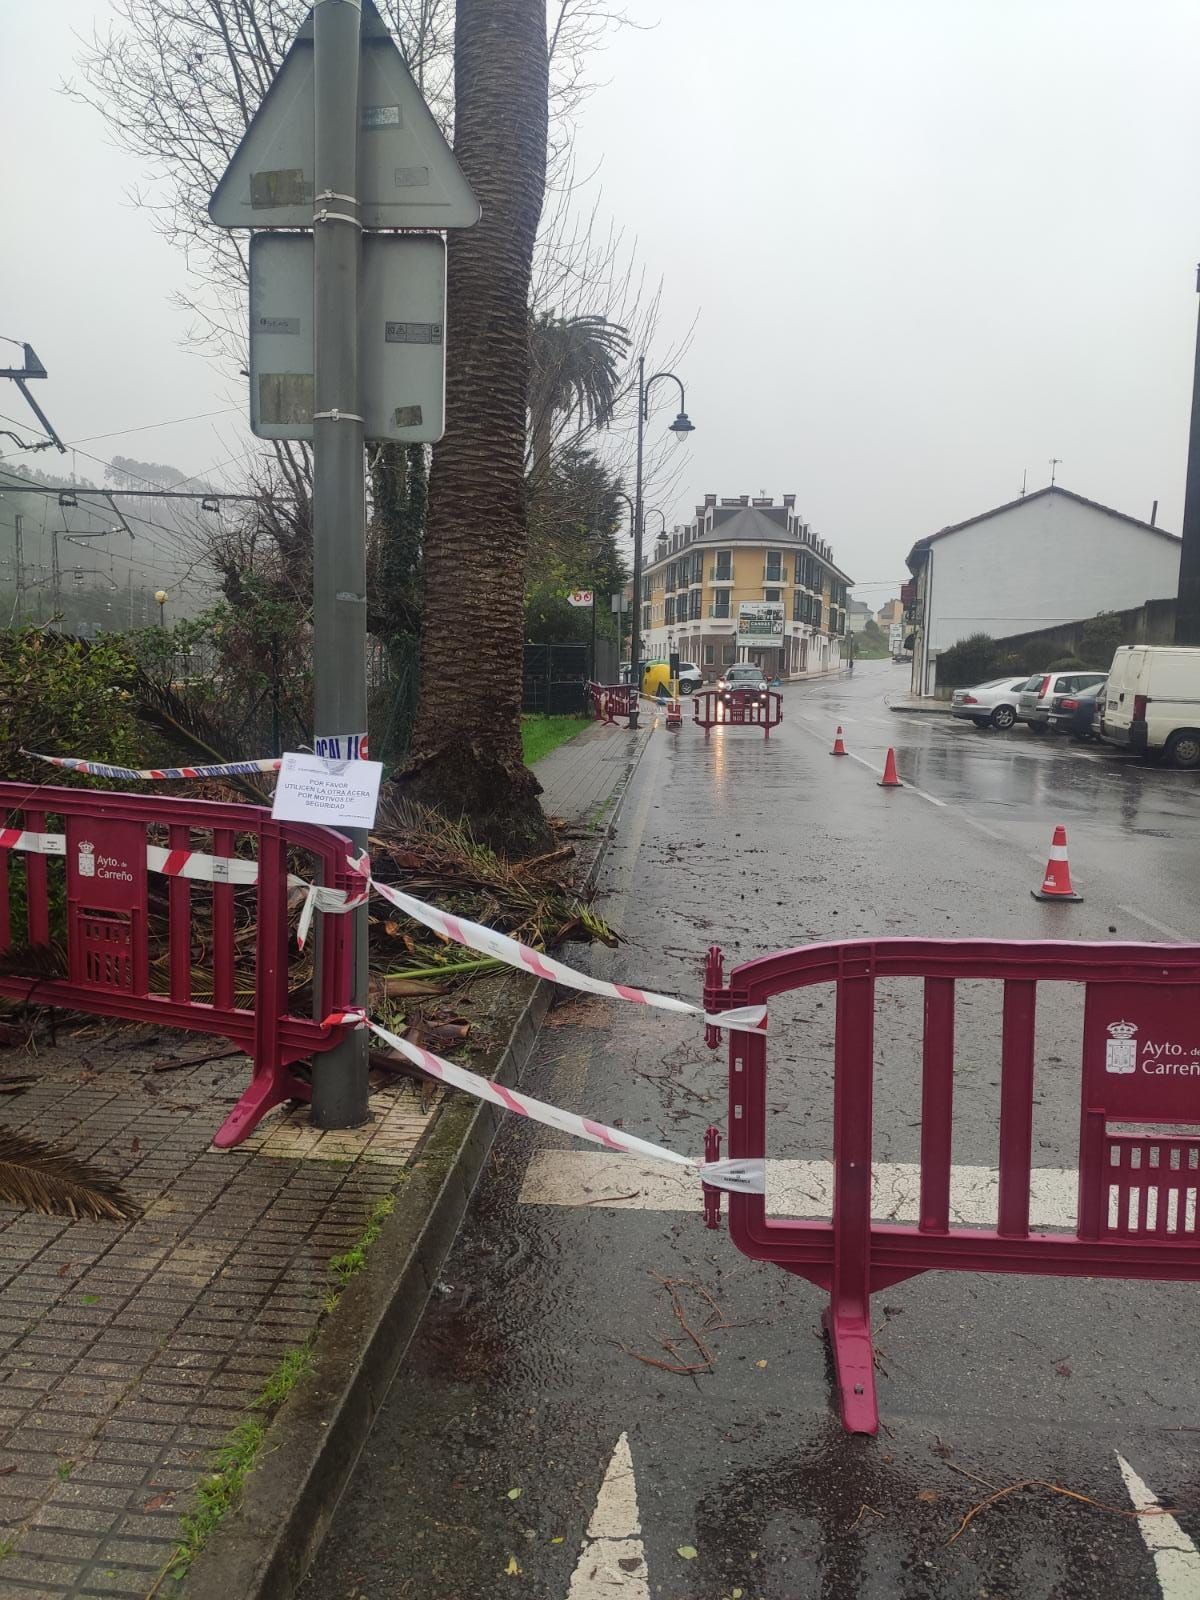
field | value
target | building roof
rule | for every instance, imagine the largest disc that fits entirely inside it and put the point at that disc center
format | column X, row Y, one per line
column 922, row 545
column 747, row 525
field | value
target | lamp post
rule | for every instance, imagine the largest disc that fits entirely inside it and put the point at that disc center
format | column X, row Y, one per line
column 681, row 426
column 162, row 597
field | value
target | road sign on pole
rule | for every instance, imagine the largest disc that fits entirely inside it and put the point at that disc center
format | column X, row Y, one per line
column 402, row 345
column 341, row 142
column 407, row 176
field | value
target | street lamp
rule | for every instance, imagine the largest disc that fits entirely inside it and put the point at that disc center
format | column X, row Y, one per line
column 681, row 426
column 162, row 597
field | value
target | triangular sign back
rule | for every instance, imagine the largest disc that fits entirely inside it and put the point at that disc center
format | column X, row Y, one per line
column 407, row 175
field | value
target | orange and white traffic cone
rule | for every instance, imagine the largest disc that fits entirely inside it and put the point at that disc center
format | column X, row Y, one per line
column 891, row 778
column 1056, row 885
column 839, row 749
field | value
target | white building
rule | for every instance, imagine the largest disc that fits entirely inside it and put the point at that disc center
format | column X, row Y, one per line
column 1047, row 558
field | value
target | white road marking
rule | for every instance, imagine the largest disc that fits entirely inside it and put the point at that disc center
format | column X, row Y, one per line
column 1176, row 1559
column 1161, row 927
column 600, row 1180
column 878, row 771
column 613, row 1560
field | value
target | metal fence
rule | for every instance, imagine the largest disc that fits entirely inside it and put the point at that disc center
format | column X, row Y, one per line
column 555, row 679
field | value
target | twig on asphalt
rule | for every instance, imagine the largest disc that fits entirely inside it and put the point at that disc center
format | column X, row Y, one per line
column 663, row 1366
column 1056, row 1488
column 863, row 1508
column 610, row 1199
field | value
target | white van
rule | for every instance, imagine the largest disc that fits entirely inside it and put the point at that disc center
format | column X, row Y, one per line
column 1152, row 702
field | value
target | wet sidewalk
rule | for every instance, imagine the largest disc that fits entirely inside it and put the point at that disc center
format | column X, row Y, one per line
column 129, row 1353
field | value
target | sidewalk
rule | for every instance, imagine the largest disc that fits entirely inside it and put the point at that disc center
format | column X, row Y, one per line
column 130, row 1351
column 913, row 703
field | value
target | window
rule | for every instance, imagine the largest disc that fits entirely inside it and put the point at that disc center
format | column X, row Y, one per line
column 719, row 605
column 670, row 616
column 728, row 653
column 697, row 573
column 645, row 619
column 797, row 602
column 816, row 616
column 722, row 571
column 772, row 594
column 710, row 655
column 774, row 571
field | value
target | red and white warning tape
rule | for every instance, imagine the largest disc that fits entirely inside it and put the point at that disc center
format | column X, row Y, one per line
column 100, row 769
column 741, row 1176
column 198, row 864
column 500, row 947
column 40, row 844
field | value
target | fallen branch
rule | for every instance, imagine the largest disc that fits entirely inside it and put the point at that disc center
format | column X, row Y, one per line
column 1055, row 1488
column 176, row 1063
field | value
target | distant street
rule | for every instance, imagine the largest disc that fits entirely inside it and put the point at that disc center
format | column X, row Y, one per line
column 535, row 1443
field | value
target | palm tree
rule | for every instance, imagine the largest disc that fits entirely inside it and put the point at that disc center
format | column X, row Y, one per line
column 465, row 756
column 573, row 371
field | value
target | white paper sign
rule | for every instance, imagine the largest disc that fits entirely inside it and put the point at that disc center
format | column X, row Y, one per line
column 340, row 794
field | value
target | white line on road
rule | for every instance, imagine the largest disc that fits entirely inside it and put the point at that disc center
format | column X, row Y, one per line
column 803, row 1189
column 1176, row 1559
column 1161, row 927
column 613, row 1561
column 911, row 787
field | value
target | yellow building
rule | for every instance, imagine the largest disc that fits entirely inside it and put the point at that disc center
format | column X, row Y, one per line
column 745, row 580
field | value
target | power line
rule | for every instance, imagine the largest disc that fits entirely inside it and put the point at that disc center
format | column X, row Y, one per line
column 149, row 427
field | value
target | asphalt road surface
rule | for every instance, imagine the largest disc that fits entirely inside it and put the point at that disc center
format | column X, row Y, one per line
column 536, row 1443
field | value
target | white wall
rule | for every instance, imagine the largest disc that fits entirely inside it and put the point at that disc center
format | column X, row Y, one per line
column 1045, row 561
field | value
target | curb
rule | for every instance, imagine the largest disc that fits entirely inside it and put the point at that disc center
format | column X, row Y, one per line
column 264, row 1549
column 941, row 710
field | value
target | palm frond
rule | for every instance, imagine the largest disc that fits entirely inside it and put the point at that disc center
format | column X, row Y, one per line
column 42, row 1177
column 34, row 961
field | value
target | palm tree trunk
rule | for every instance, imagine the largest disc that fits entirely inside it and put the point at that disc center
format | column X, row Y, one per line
column 466, row 750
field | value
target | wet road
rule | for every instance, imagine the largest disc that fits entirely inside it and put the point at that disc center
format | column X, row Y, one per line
column 535, row 1443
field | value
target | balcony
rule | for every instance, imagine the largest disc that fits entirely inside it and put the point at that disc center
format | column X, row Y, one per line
column 780, row 575
column 717, row 614
column 720, row 574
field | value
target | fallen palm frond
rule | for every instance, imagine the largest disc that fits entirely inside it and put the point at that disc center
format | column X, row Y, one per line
column 34, row 961
column 43, row 1178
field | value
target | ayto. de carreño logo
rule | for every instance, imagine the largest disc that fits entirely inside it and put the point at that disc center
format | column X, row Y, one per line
column 87, row 859
column 1120, row 1053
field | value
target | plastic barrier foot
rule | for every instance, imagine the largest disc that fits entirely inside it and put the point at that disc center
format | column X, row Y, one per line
column 854, row 1365
column 266, row 1091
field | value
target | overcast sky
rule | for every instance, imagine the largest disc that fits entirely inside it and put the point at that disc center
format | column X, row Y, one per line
column 930, row 245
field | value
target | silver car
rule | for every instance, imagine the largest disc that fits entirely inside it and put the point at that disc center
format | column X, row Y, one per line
column 992, row 704
column 1034, row 701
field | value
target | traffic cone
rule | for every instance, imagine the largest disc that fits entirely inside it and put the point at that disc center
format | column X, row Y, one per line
column 890, row 779
column 839, row 749
column 1056, row 885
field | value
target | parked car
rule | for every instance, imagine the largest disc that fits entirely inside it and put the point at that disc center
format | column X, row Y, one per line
column 1033, row 702
column 1078, row 714
column 690, row 678
column 1152, row 702
column 992, row 704
column 742, row 676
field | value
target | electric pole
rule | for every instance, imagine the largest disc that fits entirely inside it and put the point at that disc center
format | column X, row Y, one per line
column 339, row 506
column 1187, row 603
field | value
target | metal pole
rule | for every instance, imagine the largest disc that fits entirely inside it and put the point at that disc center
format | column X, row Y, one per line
column 18, row 609
column 1187, row 604
column 55, row 576
column 339, row 511
column 593, row 665
column 635, row 632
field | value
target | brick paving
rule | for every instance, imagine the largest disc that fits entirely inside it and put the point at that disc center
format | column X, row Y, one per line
column 581, row 776
column 129, row 1351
